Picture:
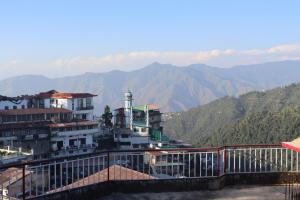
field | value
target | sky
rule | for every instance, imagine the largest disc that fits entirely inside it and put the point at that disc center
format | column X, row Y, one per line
column 67, row 37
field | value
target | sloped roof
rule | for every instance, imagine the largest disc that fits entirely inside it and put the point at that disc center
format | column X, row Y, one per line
column 293, row 145
column 62, row 95
column 143, row 107
column 11, row 175
column 116, row 172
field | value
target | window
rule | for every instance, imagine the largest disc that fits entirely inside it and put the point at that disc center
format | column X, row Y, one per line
column 23, row 106
column 143, row 129
column 72, row 104
column 124, row 135
column 6, row 107
column 79, row 104
column 41, row 103
column 72, row 142
column 60, row 145
column 82, row 141
column 125, row 143
column 88, row 102
column 51, row 103
column 14, row 107
column 135, row 146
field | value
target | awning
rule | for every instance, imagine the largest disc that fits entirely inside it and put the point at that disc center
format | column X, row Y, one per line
column 293, row 145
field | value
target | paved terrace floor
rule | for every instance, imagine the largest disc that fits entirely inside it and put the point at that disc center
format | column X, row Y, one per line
column 234, row 192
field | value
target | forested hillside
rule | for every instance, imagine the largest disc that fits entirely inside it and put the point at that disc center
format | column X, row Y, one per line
column 256, row 117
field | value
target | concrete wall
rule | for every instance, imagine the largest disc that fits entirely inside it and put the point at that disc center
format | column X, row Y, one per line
column 101, row 189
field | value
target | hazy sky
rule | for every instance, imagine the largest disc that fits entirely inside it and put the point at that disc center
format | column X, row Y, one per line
column 59, row 37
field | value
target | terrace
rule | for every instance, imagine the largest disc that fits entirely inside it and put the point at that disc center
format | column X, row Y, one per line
column 99, row 174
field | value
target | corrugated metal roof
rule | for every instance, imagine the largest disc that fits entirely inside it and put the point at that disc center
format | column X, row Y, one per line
column 143, row 107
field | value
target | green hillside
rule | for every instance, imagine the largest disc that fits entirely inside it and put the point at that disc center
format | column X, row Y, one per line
column 256, row 117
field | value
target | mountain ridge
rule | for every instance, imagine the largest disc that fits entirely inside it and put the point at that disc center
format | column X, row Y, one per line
column 173, row 88
column 255, row 117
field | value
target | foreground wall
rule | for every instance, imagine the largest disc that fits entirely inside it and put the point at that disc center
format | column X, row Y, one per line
column 101, row 189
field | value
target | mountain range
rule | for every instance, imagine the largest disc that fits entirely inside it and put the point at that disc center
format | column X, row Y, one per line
column 173, row 88
column 253, row 118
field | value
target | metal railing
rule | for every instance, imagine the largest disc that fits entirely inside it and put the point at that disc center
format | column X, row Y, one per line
column 85, row 108
column 38, row 178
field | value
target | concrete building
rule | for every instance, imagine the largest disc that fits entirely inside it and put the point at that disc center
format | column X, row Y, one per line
column 81, row 104
column 138, row 126
column 49, row 123
column 73, row 138
column 29, row 128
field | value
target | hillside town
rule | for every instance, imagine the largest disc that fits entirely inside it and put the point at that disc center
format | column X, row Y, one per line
column 55, row 124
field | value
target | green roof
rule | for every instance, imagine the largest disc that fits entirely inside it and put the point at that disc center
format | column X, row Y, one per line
column 143, row 107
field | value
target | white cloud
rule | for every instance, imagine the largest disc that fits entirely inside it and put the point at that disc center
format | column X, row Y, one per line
column 217, row 57
column 137, row 59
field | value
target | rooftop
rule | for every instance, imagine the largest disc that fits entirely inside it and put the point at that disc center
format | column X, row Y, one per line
column 34, row 111
column 11, row 175
column 293, row 145
column 144, row 107
column 71, row 124
column 116, row 172
column 22, row 125
column 62, row 95
column 12, row 99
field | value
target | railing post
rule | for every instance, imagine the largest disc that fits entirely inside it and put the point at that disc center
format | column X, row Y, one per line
column 23, row 182
column 218, row 162
column 108, row 178
column 225, row 160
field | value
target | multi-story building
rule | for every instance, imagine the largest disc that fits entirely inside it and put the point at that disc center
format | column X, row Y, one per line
column 75, row 137
column 138, row 126
column 29, row 128
column 81, row 104
column 60, row 123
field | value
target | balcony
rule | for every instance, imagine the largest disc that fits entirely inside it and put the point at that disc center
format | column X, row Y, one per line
column 85, row 108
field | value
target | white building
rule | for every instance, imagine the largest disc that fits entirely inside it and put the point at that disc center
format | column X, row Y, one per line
column 138, row 126
column 65, row 119
column 81, row 104
column 73, row 138
column 7, row 103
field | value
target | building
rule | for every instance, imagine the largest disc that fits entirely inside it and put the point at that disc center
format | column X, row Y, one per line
column 49, row 123
column 7, row 103
column 138, row 126
column 77, row 137
column 81, row 104
column 29, row 128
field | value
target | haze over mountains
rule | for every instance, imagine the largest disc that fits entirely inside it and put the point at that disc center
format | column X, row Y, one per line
column 173, row 88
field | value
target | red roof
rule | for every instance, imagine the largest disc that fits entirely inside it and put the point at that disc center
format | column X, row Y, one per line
column 33, row 111
column 62, row 95
column 116, row 172
column 293, row 145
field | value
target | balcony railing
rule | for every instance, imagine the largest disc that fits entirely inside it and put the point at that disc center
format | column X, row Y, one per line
column 50, row 176
column 85, row 108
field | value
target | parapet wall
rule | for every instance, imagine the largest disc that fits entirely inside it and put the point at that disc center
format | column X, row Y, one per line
column 105, row 188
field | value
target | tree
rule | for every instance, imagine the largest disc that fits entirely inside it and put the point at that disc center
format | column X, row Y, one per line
column 107, row 117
